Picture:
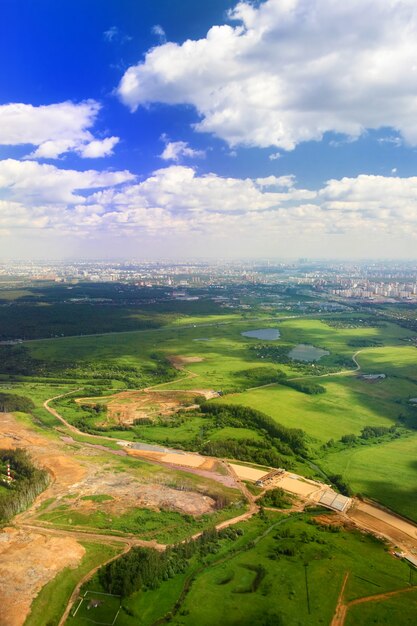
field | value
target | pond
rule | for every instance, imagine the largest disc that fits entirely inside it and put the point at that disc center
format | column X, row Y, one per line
column 268, row 334
column 305, row 352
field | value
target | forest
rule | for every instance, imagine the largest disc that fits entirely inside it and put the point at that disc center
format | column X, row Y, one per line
column 146, row 568
column 27, row 482
column 10, row 402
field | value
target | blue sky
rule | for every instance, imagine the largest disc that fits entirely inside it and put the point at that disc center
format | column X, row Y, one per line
column 167, row 128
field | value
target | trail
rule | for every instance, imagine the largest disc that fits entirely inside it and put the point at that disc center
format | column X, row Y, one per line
column 129, row 540
column 340, row 612
column 84, row 580
column 343, row 607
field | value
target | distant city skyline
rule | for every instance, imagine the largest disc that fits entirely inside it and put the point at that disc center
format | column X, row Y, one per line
column 271, row 129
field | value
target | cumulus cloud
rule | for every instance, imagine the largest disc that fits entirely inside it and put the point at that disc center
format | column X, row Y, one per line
column 54, row 129
column 176, row 150
column 286, row 71
column 38, row 183
column 178, row 201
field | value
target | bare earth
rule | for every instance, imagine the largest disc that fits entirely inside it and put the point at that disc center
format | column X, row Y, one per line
column 27, row 562
column 127, row 406
column 31, row 558
column 299, row 487
column 178, row 360
column 248, row 473
column 399, row 531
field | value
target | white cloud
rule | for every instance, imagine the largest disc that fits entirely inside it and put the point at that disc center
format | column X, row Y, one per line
column 177, row 202
column 175, row 150
column 274, row 156
column 98, row 148
column 276, row 181
column 35, row 183
column 54, row 129
column 114, row 34
column 111, row 33
column 159, row 32
column 287, row 71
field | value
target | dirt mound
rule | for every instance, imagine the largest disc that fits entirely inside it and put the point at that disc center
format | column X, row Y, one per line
column 178, row 360
column 127, row 406
column 27, row 562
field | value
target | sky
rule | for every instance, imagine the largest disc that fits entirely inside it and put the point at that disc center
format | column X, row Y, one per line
column 175, row 129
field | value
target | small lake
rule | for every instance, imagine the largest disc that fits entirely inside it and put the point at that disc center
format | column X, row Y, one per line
column 268, row 334
column 305, row 352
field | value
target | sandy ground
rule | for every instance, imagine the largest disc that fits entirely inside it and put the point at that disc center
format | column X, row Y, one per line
column 299, row 487
column 248, row 473
column 401, row 532
column 181, row 460
column 27, row 562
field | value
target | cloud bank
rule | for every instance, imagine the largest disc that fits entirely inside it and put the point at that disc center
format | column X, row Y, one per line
column 175, row 201
column 288, row 71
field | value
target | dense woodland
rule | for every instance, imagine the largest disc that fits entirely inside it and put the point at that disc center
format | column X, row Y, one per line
column 145, row 568
column 28, row 482
column 92, row 309
column 18, row 362
column 11, row 402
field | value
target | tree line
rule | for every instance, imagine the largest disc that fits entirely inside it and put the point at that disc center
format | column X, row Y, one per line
column 147, row 568
column 10, row 402
column 28, row 482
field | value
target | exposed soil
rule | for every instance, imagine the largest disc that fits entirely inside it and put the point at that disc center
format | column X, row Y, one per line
column 248, row 473
column 334, row 520
column 397, row 530
column 46, row 452
column 28, row 561
column 127, row 406
column 126, row 493
column 178, row 360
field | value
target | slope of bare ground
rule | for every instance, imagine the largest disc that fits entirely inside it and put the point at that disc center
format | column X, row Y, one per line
column 377, row 520
column 126, row 492
column 31, row 555
column 28, row 561
column 127, row 406
column 46, row 452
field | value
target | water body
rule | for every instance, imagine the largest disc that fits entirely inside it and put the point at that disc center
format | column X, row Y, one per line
column 305, row 352
column 268, row 334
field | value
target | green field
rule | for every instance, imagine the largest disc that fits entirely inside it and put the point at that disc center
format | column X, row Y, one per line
column 263, row 578
column 163, row 526
column 51, row 601
column 385, row 612
column 98, row 608
column 348, row 405
column 386, row 472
